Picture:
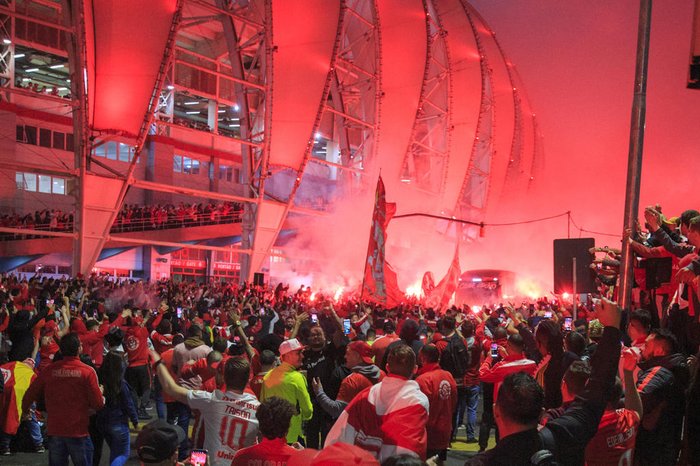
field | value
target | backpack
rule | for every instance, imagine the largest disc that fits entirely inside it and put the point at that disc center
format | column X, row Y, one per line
column 455, row 357
column 545, row 456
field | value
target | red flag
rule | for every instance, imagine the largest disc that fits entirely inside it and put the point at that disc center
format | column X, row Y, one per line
column 440, row 297
column 380, row 282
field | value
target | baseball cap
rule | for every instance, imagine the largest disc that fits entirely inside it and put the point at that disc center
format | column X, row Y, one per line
column 363, row 349
column 338, row 454
column 158, row 441
column 595, row 329
column 288, row 346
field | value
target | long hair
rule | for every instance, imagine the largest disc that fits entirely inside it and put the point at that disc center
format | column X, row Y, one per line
column 111, row 375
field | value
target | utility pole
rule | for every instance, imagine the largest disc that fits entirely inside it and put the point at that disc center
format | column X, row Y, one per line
column 634, row 161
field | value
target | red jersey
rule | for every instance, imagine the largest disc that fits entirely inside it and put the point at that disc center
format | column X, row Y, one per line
column 613, row 444
column 441, row 389
column 354, row 384
column 47, row 351
column 161, row 343
column 136, row 345
column 256, row 383
column 380, row 345
column 274, row 452
column 68, row 415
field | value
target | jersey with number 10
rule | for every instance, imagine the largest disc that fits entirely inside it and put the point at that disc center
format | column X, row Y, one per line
column 229, row 422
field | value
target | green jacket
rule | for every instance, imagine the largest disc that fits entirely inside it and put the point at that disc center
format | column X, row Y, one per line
column 284, row 381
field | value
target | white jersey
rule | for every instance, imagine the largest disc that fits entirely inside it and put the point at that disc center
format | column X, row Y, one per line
column 229, row 422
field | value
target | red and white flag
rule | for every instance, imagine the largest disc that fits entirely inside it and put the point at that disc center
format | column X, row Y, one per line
column 440, row 296
column 380, row 283
column 387, row 419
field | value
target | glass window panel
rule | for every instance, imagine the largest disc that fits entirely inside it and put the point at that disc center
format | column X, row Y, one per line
column 100, row 151
column 112, row 150
column 30, row 134
column 44, row 184
column 45, row 137
column 123, row 152
column 59, row 186
column 59, row 140
column 20, row 133
column 186, row 165
column 195, row 167
column 177, row 164
column 25, row 181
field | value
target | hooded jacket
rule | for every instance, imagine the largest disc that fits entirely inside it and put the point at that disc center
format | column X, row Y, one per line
column 661, row 383
column 362, row 377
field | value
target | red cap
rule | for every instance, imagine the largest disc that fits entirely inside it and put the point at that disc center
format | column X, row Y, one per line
column 363, row 349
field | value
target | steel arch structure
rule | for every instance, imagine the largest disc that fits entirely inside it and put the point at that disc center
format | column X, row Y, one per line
column 313, row 97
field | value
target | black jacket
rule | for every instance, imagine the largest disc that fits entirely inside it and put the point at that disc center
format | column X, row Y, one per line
column 579, row 423
column 661, row 384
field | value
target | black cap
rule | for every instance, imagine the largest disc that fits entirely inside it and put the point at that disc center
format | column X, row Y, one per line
column 158, row 441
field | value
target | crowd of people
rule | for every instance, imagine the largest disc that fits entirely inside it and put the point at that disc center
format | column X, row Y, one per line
column 267, row 375
column 132, row 217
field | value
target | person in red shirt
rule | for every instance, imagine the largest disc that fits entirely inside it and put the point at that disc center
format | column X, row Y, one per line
column 382, row 343
column 274, row 416
column 70, row 391
column 358, row 357
column 511, row 359
column 441, row 389
column 267, row 361
column 137, row 375
column 613, row 444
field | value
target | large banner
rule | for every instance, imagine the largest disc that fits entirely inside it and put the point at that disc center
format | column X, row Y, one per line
column 380, row 282
column 440, row 296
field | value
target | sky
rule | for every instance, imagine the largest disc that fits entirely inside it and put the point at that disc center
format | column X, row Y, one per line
column 577, row 63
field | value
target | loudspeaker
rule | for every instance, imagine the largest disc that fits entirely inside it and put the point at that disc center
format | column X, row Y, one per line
column 658, row 271
column 258, row 279
column 564, row 252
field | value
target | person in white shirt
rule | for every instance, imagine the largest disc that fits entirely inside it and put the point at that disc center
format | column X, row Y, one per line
column 229, row 417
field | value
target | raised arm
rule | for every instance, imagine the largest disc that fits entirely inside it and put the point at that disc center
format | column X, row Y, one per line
column 169, row 385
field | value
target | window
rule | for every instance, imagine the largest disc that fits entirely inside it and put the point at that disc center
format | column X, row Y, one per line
column 126, row 152
column 225, row 172
column 237, row 175
column 44, row 184
column 111, row 150
column 26, row 181
column 100, row 151
column 177, row 164
column 123, row 152
column 30, row 135
column 44, row 137
column 59, row 186
column 59, row 140
column 195, row 167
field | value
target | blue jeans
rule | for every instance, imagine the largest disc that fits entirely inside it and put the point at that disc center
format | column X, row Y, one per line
column 34, row 432
column 79, row 449
column 117, row 437
column 179, row 415
column 158, row 395
column 472, row 405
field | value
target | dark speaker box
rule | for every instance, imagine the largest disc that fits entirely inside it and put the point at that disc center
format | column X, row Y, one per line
column 658, row 271
column 258, row 279
column 564, row 252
